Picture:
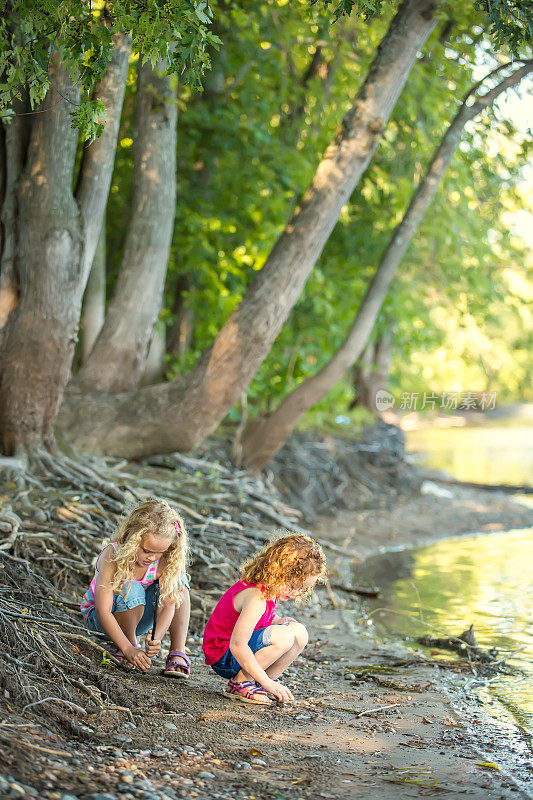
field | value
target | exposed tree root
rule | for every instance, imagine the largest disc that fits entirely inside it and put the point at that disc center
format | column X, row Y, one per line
column 59, row 512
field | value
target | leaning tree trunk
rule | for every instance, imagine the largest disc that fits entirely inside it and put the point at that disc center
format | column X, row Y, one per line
column 55, row 237
column 182, row 413
column 117, row 359
column 265, row 435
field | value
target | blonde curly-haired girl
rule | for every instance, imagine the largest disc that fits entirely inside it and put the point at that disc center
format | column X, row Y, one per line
column 244, row 639
column 145, row 559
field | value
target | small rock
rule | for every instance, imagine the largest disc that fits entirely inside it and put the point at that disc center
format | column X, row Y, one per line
column 200, row 746
column 187, row 782
column 19, row 791
column 205, row 775
column 68, row 797
column 103, row 796
column 145, row 784
column 170, row 726
column 4, row 785
column 349, row 676
column 259, row 762
column 126, row 779
column 243, row 765
column 123, row 739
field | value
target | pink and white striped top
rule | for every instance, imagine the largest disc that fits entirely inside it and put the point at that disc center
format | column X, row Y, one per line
column 89, row 597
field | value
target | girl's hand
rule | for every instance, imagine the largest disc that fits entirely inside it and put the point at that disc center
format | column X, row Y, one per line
column 152, row 646
column 279, row 691
column 138, row 658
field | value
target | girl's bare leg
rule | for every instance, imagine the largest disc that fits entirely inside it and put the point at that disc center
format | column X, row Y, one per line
column 128, row 621
column 288, row 641
column 179, row 627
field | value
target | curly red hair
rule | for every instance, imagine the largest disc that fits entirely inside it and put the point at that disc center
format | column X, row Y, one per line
column 286, row 560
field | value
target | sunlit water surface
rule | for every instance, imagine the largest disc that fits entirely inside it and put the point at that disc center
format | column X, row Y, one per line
column 482, row 579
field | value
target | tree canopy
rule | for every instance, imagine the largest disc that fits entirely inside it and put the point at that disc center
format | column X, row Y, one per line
column 225, row 127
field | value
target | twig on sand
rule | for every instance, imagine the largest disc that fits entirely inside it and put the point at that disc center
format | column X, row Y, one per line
column 374, row 710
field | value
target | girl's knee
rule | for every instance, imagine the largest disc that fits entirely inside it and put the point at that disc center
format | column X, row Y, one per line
column 282, row 636
column 301, row 637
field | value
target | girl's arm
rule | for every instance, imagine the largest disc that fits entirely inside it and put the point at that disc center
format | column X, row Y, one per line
column 253, row 608
column 103, row 603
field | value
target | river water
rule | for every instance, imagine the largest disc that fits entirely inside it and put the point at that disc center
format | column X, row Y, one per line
column 484, row 579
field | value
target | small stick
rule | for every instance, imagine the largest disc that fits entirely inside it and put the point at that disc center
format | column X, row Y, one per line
column 380, row 708
column 156, row 609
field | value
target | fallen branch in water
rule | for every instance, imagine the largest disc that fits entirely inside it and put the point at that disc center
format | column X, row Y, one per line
column 464, row 644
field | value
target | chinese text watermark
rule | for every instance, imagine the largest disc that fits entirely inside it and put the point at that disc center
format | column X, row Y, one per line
column 444, row 401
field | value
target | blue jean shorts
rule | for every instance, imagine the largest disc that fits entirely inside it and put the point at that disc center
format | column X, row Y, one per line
column 136, row 596
column 227, row 665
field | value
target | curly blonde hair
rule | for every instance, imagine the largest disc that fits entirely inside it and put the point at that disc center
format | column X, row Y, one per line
column 159, row 518
column 287, row 560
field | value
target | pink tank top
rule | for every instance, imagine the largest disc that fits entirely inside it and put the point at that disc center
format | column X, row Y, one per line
column 223, row 619
column 88, row 598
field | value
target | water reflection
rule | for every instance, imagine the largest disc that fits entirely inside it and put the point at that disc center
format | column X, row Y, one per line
column 489, row 453
column 485, row 580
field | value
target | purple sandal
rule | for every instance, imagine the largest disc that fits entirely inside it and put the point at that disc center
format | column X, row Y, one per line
column 176, row 670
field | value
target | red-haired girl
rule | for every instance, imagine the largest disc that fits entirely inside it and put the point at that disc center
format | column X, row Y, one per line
column 245, row 640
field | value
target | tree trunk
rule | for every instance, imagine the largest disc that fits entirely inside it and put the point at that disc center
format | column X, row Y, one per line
column 93, row 312
column 179, row 335
column 48, row 250
column 119, row 354
column 154, row 367
column 14, row 145
column 266, row 435
column 182, row 413
column 98, row 158
column 371, row 372
column 39, row 335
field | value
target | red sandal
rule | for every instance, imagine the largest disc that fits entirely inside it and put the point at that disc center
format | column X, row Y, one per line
column 176, row 670
column 247, row 692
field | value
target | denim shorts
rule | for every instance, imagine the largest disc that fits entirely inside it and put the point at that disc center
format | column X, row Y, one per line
column 227, row 665
column 136, row 596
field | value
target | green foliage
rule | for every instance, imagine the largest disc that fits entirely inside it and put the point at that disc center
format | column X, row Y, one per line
column 89, row 118
column 248, row 147
column 32, row 30
column 509, row 22
column 366, row 9
column 245, row 157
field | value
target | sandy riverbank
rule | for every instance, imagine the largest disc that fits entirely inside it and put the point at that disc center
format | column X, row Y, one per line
column 411, row 730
